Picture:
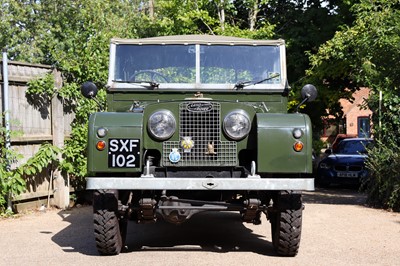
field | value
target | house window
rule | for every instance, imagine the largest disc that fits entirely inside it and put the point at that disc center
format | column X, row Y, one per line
column 364, row 127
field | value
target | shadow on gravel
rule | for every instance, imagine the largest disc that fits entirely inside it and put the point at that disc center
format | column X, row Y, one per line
column 208, row 231
column 335, row 195
column 211, row 232
column 78, row 236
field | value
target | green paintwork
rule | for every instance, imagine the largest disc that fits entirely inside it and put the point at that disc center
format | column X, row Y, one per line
column 271, row 137
column 119, row 125
column 275, row 153
column 122, row 101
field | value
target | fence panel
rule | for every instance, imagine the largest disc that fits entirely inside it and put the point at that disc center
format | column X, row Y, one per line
column 32, row 119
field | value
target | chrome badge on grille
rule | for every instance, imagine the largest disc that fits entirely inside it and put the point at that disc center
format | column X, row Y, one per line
column 210, row 148
column 199, row 107
column 187, row 144
column 174, row 155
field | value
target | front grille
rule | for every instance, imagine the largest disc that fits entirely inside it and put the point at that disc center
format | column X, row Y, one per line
column 352, row 168
column 200, row 122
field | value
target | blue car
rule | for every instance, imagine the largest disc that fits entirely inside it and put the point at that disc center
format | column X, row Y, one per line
column 346, row 164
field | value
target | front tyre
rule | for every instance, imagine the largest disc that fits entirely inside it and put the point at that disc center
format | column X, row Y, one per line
column 109, row 226
column 286, row 222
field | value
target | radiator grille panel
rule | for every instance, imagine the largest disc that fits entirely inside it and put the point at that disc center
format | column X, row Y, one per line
column 352, row 168
column 203, row 127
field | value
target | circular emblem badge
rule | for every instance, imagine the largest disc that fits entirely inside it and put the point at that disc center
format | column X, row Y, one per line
column 174, row 156
column 187, row 144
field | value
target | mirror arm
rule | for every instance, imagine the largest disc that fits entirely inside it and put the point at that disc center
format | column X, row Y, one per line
column 98, row 103
column 301, row 103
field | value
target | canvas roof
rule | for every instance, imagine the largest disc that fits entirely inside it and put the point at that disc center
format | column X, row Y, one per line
column 197, row 39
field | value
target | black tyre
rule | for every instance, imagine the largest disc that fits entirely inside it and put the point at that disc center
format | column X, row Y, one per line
column 286, row 227
column 109, row 226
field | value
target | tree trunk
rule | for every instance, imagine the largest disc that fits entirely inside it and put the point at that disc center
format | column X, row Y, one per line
column 151, row 9
column 221, row 13
column 253, row 12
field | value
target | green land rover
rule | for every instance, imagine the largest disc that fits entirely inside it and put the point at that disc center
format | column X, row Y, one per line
column 198, row 123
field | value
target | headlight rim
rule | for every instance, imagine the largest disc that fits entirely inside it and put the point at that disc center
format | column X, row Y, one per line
column 325, row 165
column 244, row 114
column 152, row 134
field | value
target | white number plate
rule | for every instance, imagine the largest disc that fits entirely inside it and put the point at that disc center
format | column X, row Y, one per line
column 347, row 174
column 123, row 153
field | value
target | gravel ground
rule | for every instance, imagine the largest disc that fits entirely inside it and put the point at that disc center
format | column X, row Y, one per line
column 337, row 230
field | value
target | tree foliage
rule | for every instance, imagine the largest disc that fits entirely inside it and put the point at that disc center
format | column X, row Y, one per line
column 9, row 184
column 383, row 184
column 74, row 37
column 306, row 25
column 367, row 54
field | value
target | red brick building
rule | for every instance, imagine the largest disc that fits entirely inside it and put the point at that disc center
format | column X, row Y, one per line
column 355, row 120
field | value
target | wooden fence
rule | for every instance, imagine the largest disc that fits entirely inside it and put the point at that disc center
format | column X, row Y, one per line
column 38, row 123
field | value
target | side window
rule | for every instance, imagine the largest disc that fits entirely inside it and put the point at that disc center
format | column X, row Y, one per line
column 364, row 127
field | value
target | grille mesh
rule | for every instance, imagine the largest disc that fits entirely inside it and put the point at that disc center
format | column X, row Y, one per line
column 203, row 127
column 352, row 168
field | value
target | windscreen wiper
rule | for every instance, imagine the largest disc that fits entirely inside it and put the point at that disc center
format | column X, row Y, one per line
column 241, row 84
column 143, row 83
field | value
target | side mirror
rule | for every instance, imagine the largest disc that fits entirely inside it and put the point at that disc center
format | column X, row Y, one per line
column 309, row 92
column 89, row 90
column 328, row 151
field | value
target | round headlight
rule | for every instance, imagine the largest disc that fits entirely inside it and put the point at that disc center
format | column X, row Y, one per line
column 237, row 124
column 162, row 124
column 324, row 166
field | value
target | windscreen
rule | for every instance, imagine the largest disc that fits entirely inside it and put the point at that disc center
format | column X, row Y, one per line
column 205, row 64
column 158, row 63
column 353, row 147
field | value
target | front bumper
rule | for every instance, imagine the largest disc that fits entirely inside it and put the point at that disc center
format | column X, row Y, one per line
column 326, row 179
column 332, row 177
column 151, row 183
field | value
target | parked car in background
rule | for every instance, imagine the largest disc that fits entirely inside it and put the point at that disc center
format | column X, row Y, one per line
column 339, row 138
column 345, row 164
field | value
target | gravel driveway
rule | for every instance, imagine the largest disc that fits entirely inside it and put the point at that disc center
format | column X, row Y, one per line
column 337, row 230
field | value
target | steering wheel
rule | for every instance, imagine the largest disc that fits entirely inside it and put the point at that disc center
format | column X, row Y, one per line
column 153, row 74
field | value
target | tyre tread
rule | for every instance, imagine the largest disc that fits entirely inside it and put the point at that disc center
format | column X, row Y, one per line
column 106, row 227
column 289, row 233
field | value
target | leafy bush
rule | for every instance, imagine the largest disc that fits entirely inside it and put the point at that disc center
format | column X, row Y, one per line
column 383, row 183
column 13, row 181
column 9, row 183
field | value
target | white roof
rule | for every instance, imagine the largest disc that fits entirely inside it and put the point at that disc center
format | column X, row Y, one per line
column 197, row 39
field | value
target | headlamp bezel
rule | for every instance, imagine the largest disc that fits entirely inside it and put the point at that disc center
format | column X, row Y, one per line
column 228, row 128
column 171, row 130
